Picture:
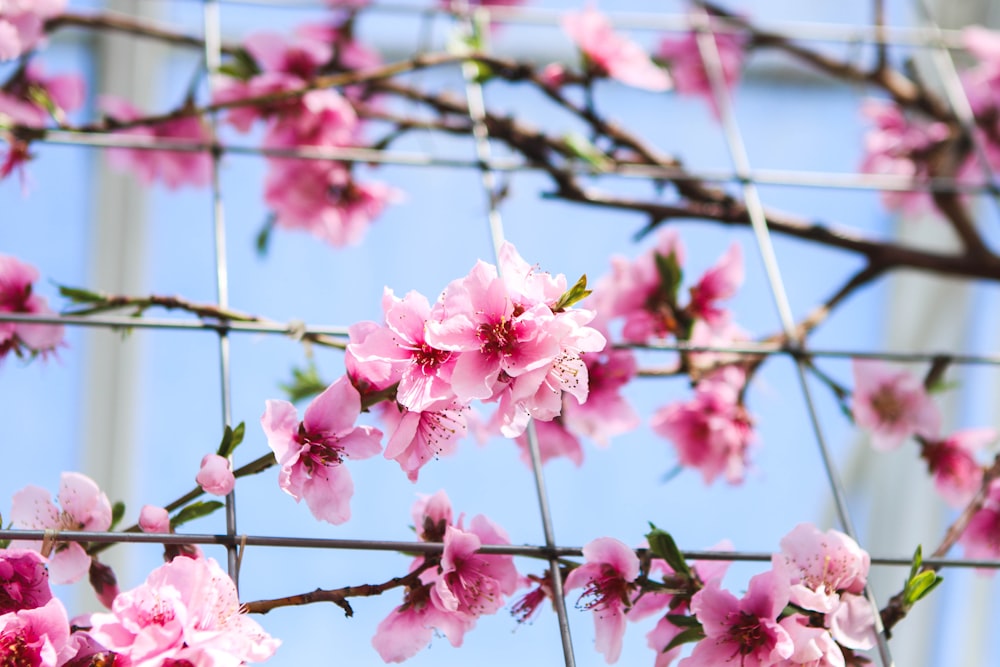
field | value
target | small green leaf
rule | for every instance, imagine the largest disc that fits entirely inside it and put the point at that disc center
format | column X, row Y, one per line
column 663, row 546
column 305, row 383
column 574, row 294
column 242, row 66
column 919, row 586
column 195, row 510
column 942, row 386
column 263, row 240
column 684, row 621
column 231, row 438
column 671, row 276
column 117, row 514
column 918, row 562
column 78, row 295
column 582, row 148
column 685, row 636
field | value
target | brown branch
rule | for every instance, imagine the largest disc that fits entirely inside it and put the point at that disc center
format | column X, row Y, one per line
column 128, row 25
column 338, row 596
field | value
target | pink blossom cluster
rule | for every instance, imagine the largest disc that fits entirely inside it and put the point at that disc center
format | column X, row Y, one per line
column 34, row 627
column 17, row 296
column 808, row 609
column 892, row 405
column 496, row 336
column 322, row 197
column 455, row 590
column 712, row 431
column 22, row 24
column 981, row 538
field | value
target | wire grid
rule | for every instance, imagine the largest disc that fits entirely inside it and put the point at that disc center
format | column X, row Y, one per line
column 742, row 173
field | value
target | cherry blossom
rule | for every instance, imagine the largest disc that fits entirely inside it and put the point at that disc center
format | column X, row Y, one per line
column 83, row 507
column 614, row 55
column 35, row 637
column 471, row 584
column 17, row 296
column 24, row 581
column 173, row 168
column 312, row 452
column 416, row 437
column 814, row 647
column 891, row 404
column 215, row 475
column 187, row 609
column 607, row 579
column 687, row 67
column 605, row 413
column 719, row 283
column 153, row 519
column 952, row 462
column 22, row 24
column 712, row 431
column 819, row 566
column 20, row 100
column 554, row 441
column 981, row 538
column 741, row 632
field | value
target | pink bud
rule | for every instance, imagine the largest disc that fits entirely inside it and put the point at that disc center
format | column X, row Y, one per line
column 215, row 476
column 153, row 519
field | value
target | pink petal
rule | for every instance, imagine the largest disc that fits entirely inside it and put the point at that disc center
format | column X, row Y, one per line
column 280, row 422
column 335, row 410
column 328, row 494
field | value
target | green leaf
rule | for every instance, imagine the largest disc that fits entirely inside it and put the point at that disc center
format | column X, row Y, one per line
column 582, row 148
column 263, row 240
column 662, row 545
column 689, row 635
column 918, row 562
column 671, row 276
column 242, row 66
column 942, row 386
column 231, row 438
column 195, row 510
column 78, row 295
column 117, row 514
column 574, row 294
column 919, row 586
column 684, row 621
column 305, row 383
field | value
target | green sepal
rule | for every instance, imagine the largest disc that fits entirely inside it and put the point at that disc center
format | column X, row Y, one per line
column 305, row 383
column 195, row 510
column 582, row 148
column 662, row 545
column 263, row 240
column 671, row 277
column 573, row 295
column 231, row 438
column 684, row 621
column 684, row 637
column 117, row 514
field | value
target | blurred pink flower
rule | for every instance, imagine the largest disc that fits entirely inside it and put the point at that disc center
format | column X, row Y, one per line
column 614, row 55
column 952, row 461
column 17, row 296
column 607, row 579
column 83, row 507
column 554, row 440
column 174, row 168
column 712, row 431
column 891, row 404
column 605, row 413
column 687, row 65
column 22, row 24
column 24, row 581
column 981, row 538
column 312, row 452
column 719, row 283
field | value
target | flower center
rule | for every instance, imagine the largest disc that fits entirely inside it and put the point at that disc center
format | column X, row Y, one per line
column 748, row 634
column 497, row 338
column 887, row 405
column 605, row 590
column 429, row 358
column 318, row 450
column 15, row 652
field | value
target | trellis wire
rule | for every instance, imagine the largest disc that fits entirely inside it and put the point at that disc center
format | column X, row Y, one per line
column 748, row 179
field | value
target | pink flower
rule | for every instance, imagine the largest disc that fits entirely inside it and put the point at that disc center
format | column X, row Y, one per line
column 713, row 431
column 607, row 579
column 554, row 440
column 471, row 584
column 614, row 55
column 605, row 413
column 417, row 437
column 19, row 101
column 981, row 538
column 431, row 516
column 84, row 507
column 173, row 168
column 820, row 566
column 408, row 629
column 22, row 24
column 422, row 371
column 311, row 453
column 852, row 623
column 24, row 581
column 688, row 69
column 952, row 461
column 718, row 284
column 37, row 637
column 741, row 632
column 892, row 404
column 153, row 519
column 187, row 609
column 17, row 296
column 215, row 475
column 814, row 647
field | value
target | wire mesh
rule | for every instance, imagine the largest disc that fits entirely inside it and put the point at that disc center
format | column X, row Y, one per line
column 742, row 174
